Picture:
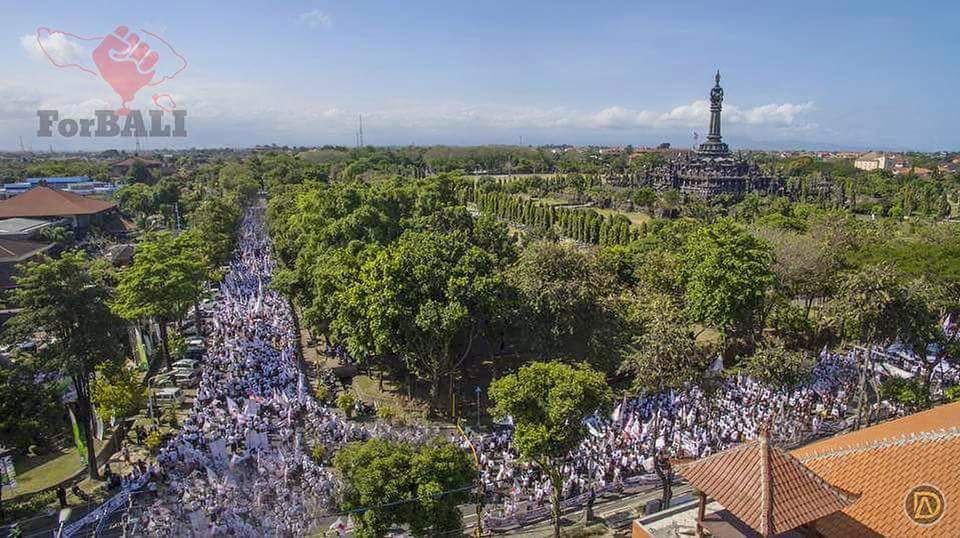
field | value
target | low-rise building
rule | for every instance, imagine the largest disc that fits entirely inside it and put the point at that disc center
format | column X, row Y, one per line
column 873, row 161
column 16, row 251
column 45, row 203
column 898, row 478
column 77, row 184
column 122, row 168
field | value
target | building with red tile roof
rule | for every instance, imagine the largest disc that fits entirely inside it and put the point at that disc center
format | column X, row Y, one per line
column 44, row 202
column 898, row 478
column 902, row 469
column 123, row 168
column 764, row 487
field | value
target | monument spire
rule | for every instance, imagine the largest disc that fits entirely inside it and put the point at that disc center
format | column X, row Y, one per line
column 714, row 146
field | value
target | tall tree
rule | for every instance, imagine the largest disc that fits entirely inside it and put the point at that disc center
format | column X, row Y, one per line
column 665, row 354
column 870, row 307
column 422, row 298
column 215, row 222
column 548, row 402
column 117, row 390
column 728, row 276
column 68, row 301
column 30, row 411
column 562, row 291
column 167, row 276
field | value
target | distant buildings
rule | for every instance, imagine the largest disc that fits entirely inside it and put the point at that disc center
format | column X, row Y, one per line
column 873, row 161
column 122, row 168
column 81, row 185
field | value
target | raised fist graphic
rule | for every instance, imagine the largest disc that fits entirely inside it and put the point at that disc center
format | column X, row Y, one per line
column 126, row 62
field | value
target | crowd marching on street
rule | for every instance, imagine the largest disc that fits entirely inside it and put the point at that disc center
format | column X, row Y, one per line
column 685, row 423
column 241, row 463
column 245, row 463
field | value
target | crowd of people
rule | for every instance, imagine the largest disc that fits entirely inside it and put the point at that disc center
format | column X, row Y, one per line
column 684, row 423
column 244, row 461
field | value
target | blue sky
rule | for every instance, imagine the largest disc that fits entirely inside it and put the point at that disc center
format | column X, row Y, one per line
column 797, row 74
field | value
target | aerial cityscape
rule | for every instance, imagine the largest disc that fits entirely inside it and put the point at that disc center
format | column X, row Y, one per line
column 423, row 269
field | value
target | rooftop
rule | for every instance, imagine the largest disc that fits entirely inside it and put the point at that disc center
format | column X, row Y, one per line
column 43, row 201
column 57, row 180
column 903, row 475
column 884, row 464
column 765, row 487
column 20, row 226
column 16, row 250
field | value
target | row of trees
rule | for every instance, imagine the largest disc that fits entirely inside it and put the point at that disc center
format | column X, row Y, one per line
column 580, row 224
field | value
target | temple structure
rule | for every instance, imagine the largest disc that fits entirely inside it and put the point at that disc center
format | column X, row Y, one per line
column 712, row 169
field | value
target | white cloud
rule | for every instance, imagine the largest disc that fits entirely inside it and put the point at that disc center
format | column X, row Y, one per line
column 316, row 19
column 782, row 115
column 697, row 114
column 59, row 48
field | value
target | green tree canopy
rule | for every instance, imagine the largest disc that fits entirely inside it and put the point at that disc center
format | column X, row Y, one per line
column 167, row 276
column 117, row 390
column 417, row 486
column 728, row 275
column 30, row 410
column 665, row 354
column 548, row 402
column 561, row 290
column 423, row 298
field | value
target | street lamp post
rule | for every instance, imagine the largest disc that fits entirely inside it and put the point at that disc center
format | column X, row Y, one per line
column 477, row 390
column 480, row 491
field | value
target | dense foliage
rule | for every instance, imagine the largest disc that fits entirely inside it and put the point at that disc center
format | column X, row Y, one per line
column 399, row 484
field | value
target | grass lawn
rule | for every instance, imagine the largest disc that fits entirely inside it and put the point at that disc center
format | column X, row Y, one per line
column 41, row 472
column 544, row 201
column 636, row 218
column 369, row 391
column 708, row 336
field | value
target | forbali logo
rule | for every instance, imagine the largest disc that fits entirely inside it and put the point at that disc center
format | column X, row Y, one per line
column 107, row 123
column 127, row 62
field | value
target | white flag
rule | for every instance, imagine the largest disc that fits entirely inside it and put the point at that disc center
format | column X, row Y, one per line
column 615, row 416
column 717, row 365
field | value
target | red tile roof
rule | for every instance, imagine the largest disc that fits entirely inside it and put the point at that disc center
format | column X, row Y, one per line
column 884, row 463
column 43, row 201
column 765, row 487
